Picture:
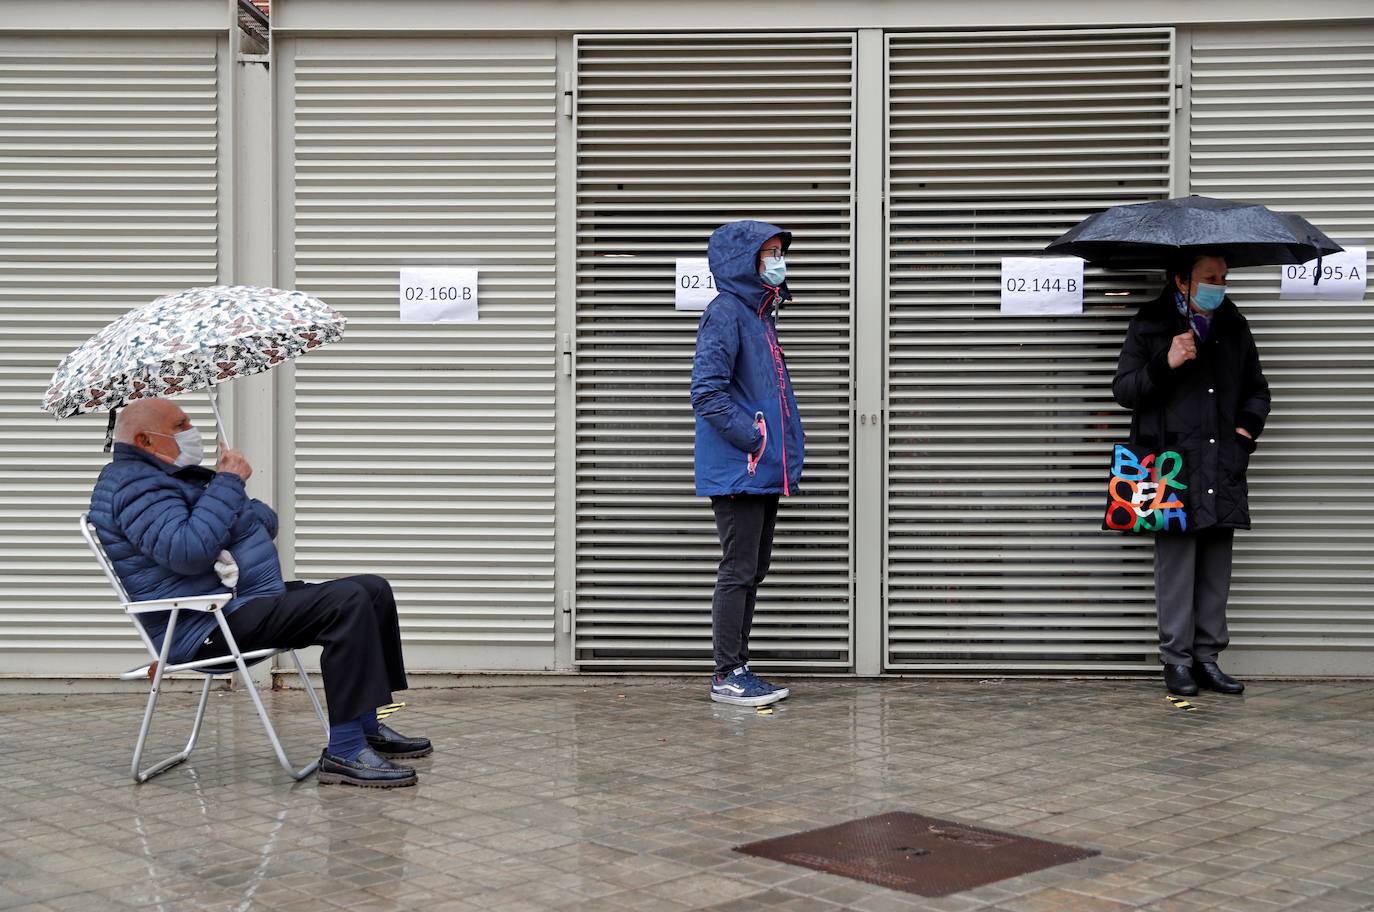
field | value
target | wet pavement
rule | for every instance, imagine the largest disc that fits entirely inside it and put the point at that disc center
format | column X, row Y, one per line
column 620, row 797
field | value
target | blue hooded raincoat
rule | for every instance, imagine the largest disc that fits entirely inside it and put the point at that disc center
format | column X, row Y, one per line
column 749, row 437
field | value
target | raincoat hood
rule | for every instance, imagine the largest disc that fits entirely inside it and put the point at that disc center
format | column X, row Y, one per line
column 734, row 257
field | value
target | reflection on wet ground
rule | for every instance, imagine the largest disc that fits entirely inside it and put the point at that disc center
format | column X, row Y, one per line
column 633, row 797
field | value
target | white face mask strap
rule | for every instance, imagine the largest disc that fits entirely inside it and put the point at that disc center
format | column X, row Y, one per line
column 198, row 447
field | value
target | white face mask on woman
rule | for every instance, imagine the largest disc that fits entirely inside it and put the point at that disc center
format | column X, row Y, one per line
column 190, row 447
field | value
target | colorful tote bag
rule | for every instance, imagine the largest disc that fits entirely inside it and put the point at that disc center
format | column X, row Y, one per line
column 1146, row 491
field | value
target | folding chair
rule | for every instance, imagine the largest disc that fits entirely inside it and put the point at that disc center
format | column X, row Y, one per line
column 211, row 668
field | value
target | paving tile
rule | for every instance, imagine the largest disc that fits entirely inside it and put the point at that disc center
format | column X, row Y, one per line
column 577, row 798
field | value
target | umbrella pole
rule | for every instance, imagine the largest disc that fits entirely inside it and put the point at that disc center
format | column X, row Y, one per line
column 219, row 422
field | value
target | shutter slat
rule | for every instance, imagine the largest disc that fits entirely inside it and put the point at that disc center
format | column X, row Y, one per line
column 1286, row 122
column 108, row 187
column 670, row 147
column 425, row 453
column 998, row 428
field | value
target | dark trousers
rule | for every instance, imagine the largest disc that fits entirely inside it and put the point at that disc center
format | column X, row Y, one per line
column 1192, row 581
column 353, row 618
column 745, row 523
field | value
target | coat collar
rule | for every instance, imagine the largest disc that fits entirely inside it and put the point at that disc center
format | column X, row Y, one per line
column 1164, row 314
column 127, row 452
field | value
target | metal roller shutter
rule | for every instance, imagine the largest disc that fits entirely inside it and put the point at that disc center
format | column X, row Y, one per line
column 1286, row 121
column 108, row 198
column 425, row 453
column 677, row 134
column 999, row 427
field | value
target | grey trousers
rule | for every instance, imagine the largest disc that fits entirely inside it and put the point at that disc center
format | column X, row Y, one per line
column 1192, row 580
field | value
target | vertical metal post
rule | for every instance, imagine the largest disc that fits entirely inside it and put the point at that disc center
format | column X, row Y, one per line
column 1180, row 180
column 283, row 205
column 870, row 329
column 227, row 194
column 565, row 328
column 249, row 97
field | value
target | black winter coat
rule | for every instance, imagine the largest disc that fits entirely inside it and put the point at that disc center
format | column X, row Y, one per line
column 1203, row 402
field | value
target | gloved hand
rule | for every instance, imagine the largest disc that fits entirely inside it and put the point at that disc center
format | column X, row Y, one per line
column 227, row 569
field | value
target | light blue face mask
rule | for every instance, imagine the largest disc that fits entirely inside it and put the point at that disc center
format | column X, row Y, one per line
column 774, row 270
column 1209, row 297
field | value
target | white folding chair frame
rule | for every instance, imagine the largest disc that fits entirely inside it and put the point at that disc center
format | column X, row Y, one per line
column 211, row 668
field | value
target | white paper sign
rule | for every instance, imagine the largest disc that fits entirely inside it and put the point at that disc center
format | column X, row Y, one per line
column 696, row 287
column 1042, row 285
column 438, row 294
column 1343, row 277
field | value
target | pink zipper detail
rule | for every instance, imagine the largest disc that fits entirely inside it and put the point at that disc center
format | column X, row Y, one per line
column 783, row 410
column 752, row 458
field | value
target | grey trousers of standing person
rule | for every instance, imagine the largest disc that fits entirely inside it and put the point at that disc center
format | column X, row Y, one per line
column 745, row 523
column 1192, row 581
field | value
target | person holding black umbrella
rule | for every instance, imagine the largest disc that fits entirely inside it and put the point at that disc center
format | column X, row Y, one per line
column 1189, row 368
column 1190, row 373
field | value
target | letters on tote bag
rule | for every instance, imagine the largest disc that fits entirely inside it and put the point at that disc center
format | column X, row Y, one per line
column 1144, row 491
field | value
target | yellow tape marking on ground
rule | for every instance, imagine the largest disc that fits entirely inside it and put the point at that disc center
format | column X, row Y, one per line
column 389, row 710
column 1180, row 703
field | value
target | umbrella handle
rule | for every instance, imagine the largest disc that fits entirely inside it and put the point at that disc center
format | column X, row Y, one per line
column 219, row 422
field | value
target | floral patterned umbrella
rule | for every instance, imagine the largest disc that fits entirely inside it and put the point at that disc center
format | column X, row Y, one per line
column 190, row 340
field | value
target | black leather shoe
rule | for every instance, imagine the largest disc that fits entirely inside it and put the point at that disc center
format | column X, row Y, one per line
column 368, row 771
column 392, row 744
column 1210, row 676
column 1179, row 680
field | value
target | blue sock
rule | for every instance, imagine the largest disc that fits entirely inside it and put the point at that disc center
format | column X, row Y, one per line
column 346, row 740
column 369, row 722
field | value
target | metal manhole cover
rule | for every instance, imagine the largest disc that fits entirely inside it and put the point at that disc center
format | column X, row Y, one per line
column 916, row 854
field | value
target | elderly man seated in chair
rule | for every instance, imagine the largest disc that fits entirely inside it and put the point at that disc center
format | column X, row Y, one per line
column 173, row 528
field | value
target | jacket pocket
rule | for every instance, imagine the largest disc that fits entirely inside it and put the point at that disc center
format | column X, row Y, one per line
column 1238, row 462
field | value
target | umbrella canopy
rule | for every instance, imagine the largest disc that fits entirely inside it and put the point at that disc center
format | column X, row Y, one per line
column 190, row 340
column 1154, row 234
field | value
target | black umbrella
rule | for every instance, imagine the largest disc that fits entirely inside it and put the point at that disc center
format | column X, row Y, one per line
column 1155, row 234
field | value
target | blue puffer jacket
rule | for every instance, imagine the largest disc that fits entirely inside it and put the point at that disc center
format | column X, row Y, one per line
column 163, row 528
column 740, row 375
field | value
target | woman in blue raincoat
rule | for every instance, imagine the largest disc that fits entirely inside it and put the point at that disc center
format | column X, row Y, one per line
column 749, row 440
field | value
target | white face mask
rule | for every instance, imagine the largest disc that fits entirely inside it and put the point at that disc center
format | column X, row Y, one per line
column 190, row 447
